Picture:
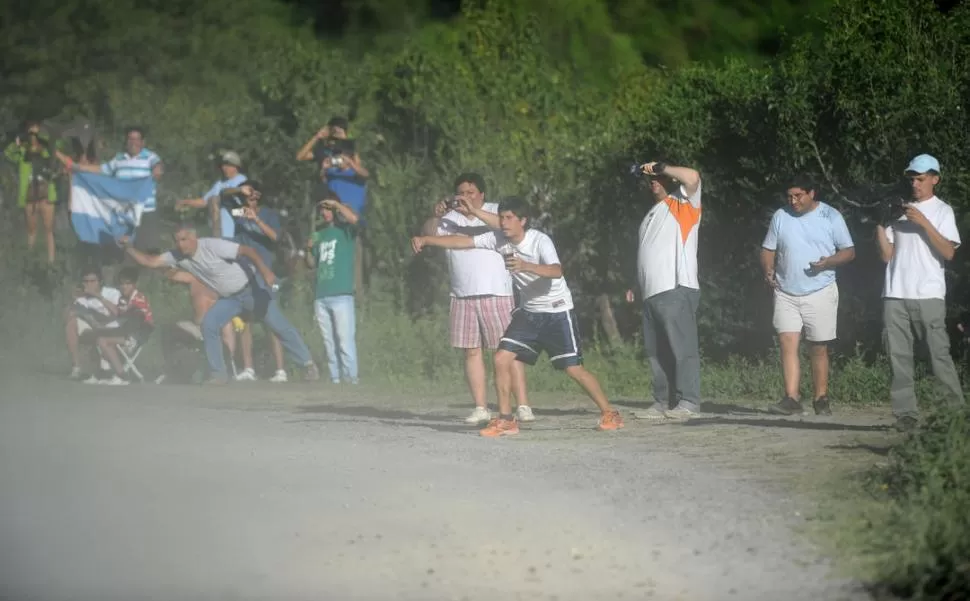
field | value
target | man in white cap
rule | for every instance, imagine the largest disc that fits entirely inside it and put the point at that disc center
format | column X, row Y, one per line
column 915, row 247
column 220, row 216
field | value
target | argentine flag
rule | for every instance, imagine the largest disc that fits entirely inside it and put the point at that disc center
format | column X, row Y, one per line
column 105, row 208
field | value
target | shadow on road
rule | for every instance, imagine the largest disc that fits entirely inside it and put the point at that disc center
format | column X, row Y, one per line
column 780, row 423
column 708, row 407
column 372, row 412
column 882, row 451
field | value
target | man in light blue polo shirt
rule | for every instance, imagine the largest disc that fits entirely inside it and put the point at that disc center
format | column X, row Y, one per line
column 136, row 162
column 805, row 242
column 220, row 214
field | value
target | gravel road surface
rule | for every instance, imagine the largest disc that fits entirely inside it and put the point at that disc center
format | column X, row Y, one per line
column 168, row 492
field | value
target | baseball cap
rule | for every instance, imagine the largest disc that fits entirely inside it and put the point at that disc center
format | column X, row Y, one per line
column 922, row 164
column 230, row 157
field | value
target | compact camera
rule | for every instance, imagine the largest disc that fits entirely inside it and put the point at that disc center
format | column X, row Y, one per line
column 453, row 202
column 636, row 169
column 238, row 212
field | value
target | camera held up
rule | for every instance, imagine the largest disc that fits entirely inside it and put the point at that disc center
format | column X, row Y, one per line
column 878, row 203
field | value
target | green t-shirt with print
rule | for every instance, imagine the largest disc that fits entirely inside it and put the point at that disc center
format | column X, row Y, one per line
column 333, row 249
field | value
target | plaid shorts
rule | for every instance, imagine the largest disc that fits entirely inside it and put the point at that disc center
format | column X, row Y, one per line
column 473, row 316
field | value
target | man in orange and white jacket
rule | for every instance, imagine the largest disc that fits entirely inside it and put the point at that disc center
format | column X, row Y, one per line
column 667, row 274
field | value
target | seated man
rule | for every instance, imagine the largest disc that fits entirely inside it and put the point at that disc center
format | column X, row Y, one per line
column 136, row 324
column 87, row 315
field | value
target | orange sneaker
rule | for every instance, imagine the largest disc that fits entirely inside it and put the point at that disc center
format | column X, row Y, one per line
column 610, row 421
column 500, row 427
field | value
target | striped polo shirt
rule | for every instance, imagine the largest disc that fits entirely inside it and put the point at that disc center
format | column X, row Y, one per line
column 125, row 166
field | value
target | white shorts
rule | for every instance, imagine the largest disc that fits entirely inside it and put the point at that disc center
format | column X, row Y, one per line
column 816, row 313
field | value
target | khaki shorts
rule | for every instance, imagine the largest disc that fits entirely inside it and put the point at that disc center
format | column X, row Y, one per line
column 815, row 313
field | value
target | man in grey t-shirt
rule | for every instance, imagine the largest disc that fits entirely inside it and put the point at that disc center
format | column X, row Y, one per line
column 215, row 263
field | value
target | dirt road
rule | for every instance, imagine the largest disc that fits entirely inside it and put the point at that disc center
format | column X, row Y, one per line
column 295, row 492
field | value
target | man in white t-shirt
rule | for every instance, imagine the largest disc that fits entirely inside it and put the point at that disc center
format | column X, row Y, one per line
column 915, row 248
column 667, row 273
column 481, row 292
column 87, row 316
column 806, row 241
column 543, row 321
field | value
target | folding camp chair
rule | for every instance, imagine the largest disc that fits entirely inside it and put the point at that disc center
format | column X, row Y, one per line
column 129, row 350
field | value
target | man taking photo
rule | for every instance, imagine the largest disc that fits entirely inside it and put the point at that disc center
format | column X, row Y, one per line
column 481, row 291
column 216, row 263
column 667, row 270
column 914, row 248
column 805, row 242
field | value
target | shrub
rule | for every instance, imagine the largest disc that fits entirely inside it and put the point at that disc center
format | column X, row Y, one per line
column 922, row 542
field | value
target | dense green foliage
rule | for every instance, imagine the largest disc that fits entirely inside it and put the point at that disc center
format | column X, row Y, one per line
column 552, row 100
column 549, row 103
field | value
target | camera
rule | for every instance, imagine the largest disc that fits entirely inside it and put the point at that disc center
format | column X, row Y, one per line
column 334, row 148
column 453, row 202
column 238, row 212
column 636, row 169
column 877, row 203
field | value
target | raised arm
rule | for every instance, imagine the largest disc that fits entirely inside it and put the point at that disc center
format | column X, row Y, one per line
column 456, row 242
column 191, row 203
column 490, row 219
column 689, row 178
column 144, row 259
column 74, row 166
column 14, row 151
column 305, row 153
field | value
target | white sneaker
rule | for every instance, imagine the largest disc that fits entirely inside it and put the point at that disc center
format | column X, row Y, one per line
column 246, row 375
column 479, row 415
column 75, row 373
column 105, row 366
column 92, row 380
column 279, row 377
column 114, row 381
column 524, row 414
column 654, row 413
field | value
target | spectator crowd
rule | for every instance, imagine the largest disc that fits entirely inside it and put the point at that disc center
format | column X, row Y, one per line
column 510, row 299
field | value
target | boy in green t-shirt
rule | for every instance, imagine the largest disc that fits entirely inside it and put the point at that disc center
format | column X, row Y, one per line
column 331, row 250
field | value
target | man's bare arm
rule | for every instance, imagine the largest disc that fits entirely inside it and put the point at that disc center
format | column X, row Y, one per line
column 456, row 242
column 143, row 259
column 768, row 266
column 689, row 178
column 886, row 248
column 490, row 219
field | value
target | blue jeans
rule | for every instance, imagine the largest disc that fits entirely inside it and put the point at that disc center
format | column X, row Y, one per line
column 335, row 316
column 228, row 307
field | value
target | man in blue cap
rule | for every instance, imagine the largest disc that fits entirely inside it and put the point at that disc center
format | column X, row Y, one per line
column 915, row 247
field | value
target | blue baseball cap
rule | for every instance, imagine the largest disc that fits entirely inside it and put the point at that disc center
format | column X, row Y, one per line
column 922, row 164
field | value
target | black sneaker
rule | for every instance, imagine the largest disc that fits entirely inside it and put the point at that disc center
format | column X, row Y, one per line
column 906, row 423
column 821, row 405
column 786, row 406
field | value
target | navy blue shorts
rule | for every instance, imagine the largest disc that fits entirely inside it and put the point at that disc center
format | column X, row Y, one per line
column 555, row 333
